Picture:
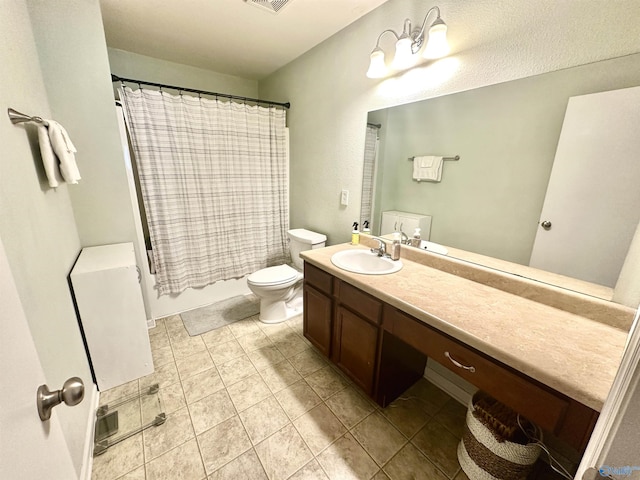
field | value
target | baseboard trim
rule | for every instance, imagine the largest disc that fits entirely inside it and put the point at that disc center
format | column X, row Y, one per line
column 447, row 386
column 87, row 464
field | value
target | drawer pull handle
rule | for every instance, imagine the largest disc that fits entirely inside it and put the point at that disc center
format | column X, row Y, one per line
column 471, row 368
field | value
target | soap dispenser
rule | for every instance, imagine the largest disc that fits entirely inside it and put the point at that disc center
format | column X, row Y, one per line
column 415, row 241
column 355, row 234
column 395, row 246
column 365, row 227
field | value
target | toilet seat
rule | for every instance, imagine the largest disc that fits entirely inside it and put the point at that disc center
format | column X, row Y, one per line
column 277, row 275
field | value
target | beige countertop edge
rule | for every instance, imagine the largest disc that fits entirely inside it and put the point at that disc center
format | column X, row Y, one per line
column 574, row 355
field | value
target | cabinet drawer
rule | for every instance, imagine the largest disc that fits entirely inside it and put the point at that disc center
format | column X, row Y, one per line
column 522, row 394
column 319, row 279
column 362, row 303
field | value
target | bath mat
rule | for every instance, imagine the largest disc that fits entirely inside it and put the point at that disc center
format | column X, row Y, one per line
column 219, row 314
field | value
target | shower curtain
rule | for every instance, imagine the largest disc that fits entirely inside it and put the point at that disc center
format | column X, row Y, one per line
column 368, row 174
column 213, row 176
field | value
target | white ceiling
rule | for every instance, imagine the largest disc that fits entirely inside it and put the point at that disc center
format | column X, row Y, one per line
column 227, row 36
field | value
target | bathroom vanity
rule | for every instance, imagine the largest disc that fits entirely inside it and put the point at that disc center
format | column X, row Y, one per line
column 552, row 366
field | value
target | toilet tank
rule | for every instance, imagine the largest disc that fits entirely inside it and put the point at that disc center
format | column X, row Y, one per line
column 301, row 240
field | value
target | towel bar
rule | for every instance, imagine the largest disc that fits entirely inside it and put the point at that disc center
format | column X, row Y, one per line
column 457, row 157
column 18, row 117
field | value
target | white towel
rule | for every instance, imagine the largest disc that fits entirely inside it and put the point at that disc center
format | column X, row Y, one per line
column 49, row 159
column 425, row 162
column 64, row 150
column 428, row 167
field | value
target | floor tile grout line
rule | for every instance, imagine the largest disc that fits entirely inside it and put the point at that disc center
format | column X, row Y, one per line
column 195, row 436
column 426, row 455
column 406, row 441
column 275, row 433
column 283, row 407
column 180, row 381
column 347, row 431
column 170, row 450
column 303, row 439
column 253, row 446
column 265, row 380
column 142, row 435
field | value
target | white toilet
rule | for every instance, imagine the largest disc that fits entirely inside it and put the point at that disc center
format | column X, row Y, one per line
column 280, row 288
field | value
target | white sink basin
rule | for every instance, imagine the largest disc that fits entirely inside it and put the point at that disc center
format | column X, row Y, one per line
column 433, row 247
column 365, row 262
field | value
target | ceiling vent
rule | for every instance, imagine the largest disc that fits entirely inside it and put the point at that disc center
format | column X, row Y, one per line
column 273, row 6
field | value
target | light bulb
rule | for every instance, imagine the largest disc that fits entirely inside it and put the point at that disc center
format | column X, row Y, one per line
column 402, row 59
column 377, row 67
column 437, row 46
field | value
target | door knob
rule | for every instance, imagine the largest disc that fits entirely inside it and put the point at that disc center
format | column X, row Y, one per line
column 72, row 393
column 546, row 225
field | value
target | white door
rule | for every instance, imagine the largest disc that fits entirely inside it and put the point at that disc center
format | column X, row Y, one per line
column 29, row 448
column 593, row 199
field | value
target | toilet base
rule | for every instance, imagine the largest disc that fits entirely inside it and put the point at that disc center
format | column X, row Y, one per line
column 280, row 310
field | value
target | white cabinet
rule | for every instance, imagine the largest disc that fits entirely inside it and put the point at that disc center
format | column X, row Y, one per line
column 106, row 287
column 395, row 221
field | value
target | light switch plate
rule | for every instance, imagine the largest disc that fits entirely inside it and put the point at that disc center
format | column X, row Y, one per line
column 344, row 197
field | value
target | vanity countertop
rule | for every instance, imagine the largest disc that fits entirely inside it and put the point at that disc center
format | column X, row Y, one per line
column 574, row 355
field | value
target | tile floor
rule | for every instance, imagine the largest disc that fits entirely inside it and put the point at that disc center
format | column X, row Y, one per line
column 255, row 401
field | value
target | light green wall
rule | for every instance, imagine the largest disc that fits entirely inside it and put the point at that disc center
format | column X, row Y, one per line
column 73, row 55
column 490, row 201
column 330, row 94
column 37, row 223
column 140, row 67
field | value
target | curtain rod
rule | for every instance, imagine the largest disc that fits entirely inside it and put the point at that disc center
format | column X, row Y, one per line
column 115, row 78
column 376, row 125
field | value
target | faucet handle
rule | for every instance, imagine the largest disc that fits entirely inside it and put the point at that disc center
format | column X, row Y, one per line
column 382, row 248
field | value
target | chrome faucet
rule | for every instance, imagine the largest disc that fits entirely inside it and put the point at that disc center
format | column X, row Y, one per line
column 404, row 238
column 381, row 251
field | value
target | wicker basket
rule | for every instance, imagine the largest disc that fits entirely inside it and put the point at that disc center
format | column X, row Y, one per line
column 493, row 446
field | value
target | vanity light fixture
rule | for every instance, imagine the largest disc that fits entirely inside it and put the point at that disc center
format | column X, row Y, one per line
column 409, row 43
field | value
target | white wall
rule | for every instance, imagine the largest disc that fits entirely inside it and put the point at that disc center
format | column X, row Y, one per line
column 492, row 41
column 37, row 223
column 627, row 289
column 141, row 67
column 73, row 54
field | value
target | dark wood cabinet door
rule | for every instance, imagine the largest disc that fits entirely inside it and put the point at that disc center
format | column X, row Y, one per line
column 356, row 347
column 317, row 319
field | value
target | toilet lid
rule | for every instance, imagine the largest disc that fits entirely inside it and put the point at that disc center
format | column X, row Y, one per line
column 273, row 275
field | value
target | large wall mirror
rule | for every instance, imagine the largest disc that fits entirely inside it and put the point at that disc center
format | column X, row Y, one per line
column 490, row 201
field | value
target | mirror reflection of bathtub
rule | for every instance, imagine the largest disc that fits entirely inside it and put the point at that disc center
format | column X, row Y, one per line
column 489, row 203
